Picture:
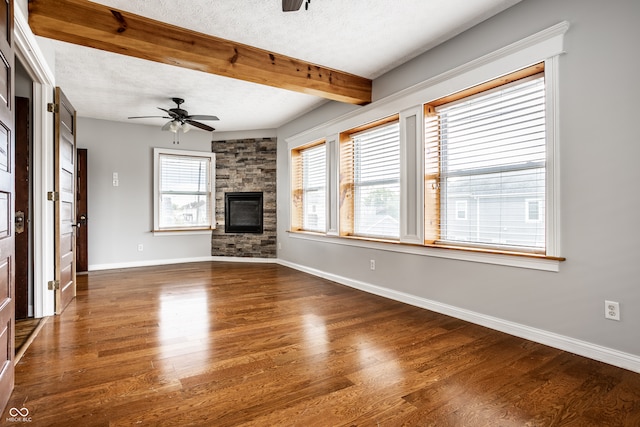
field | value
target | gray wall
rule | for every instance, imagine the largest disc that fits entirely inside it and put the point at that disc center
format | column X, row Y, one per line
column 120, row 218
column 599, row 154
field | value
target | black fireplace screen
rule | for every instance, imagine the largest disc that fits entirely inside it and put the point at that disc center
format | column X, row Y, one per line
column 243, row 212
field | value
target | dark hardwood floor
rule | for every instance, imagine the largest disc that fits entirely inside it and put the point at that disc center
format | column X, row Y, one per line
column 229, row 344
column 24, row 331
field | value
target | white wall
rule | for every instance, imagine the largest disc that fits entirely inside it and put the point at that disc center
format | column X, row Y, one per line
column 120, row 218
column 23, row 5
column 599, row 154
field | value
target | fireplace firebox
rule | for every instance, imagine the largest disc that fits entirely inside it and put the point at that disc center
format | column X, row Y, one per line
column 243, row 212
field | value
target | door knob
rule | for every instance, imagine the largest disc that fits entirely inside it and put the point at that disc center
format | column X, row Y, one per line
column 82, row 220
column 19, row 222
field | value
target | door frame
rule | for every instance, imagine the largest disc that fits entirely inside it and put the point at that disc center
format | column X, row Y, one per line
column 28, row 52
column 82, row 260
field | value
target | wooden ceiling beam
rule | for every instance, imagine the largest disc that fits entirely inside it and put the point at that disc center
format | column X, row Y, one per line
column 94, row 25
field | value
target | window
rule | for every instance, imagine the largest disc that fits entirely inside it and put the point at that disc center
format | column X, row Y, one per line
column 370, row 181
column 486, row 151
column 183, row 187
column 310, row 181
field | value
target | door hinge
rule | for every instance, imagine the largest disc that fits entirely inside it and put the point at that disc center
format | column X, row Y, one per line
column 54, row 285
column 53, row 108
column 53, row 196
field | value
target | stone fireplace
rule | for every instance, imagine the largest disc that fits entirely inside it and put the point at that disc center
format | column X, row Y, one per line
column 245, row 166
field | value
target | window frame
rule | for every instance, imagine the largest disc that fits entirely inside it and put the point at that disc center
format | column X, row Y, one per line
column 433, row 170
column 210, row 191
column 297, row 187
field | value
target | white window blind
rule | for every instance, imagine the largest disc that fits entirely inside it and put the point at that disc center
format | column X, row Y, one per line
column 184, row 191
column 376, row 166
column 314, row 182
column 492, row 152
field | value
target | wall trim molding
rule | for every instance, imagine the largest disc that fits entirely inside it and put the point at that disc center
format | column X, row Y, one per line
column 543, row 264
column 562, row 342
column 535, row 48
column 30, row 55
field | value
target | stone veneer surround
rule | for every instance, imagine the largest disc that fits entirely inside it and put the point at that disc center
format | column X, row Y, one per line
column 245, row 165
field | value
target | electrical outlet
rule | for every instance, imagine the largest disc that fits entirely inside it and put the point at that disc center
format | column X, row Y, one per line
column 279, row 246
column 373, row 264
column 140, row 247
column 612, row 310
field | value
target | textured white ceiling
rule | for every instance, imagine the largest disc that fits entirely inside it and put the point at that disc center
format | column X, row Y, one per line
column 362, row 37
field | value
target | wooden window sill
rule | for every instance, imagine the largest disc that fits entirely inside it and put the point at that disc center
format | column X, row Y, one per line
column 481, row 255
column 182, row 231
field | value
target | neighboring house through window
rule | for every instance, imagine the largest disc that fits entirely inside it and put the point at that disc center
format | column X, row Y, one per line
column 461, row 210
column 534, row 210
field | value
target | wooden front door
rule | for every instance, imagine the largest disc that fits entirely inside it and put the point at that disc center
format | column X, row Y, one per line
column 7, row 202
column 64, row 200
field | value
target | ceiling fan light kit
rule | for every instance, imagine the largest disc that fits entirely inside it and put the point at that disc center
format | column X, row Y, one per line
column 175, row 126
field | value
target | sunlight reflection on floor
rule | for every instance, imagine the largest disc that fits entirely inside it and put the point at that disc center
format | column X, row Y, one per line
column 184, row 321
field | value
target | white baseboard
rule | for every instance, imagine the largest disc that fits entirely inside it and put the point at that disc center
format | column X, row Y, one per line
column 151, row 263
column 572, row 345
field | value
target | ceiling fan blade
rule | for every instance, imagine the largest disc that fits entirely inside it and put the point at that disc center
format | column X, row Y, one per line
column 291, row 5
column 202, row 117
column 200, row 125
column 148, row 117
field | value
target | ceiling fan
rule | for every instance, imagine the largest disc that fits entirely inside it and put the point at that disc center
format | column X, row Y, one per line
column 180, row 119
column 294, row 5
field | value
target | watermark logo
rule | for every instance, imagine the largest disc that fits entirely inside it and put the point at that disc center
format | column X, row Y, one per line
column 18, row 415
